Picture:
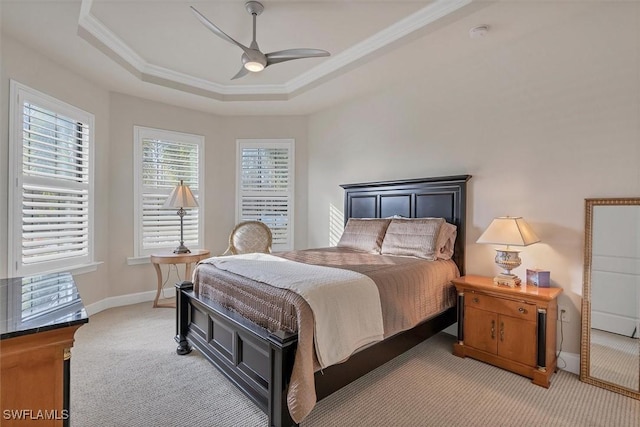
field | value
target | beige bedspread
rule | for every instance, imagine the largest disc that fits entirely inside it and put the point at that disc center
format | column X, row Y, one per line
column 330, row 293
column 411, row 291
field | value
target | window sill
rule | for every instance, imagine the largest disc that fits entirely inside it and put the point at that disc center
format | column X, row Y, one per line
column 76, row 269
column 144, row 259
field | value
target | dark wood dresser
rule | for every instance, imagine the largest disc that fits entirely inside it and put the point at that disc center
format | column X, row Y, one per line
column 39, row 316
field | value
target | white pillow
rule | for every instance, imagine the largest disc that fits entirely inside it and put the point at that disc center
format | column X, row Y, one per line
column 412, row 237
column 364, row 234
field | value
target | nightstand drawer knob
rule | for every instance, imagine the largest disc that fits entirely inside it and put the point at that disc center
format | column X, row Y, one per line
column 476, row 300
column 522, row 310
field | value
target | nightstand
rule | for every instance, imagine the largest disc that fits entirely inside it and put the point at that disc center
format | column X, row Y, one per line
column 512, row 328
column 170, row 258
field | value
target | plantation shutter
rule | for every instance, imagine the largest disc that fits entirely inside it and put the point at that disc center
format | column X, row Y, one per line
column 54, row 183
column 166, row 158
column 265, row 187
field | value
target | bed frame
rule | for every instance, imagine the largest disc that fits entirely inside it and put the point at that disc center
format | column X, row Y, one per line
column 260, row 362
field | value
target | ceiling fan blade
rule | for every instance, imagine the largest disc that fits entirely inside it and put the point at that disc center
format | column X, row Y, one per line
column 217, row 31
column 289, row 54
column 243, row 72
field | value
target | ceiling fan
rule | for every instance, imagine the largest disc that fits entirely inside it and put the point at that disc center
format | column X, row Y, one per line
column 253, row 59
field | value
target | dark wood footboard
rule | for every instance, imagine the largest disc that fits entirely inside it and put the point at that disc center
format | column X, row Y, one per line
column 258, row 362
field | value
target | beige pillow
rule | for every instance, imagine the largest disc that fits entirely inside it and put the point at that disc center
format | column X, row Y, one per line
column 364, row 234
column 446, row 241
column 412, row 237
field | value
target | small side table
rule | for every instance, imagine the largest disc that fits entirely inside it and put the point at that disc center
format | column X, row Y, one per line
column 173, row 259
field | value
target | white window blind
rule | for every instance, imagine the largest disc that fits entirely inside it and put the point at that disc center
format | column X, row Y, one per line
column 52, row 182
column 162, row 159
column 266, row 187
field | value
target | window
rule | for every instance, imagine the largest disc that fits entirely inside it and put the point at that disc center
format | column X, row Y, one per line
column 163, row 158
column 265, row 177
column 51, row 192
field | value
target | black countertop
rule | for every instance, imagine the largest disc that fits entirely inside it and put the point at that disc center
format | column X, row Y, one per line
column 35, row 304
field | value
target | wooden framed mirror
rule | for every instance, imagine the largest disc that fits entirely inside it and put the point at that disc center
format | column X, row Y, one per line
column 610, row 341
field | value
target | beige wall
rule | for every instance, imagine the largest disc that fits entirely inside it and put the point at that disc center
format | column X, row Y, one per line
column 34, row 70
column 541, row 123
column 220, row 152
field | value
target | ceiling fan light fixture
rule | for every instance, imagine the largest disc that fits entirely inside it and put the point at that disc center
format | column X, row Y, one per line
column 253, row 59
column 253, row 66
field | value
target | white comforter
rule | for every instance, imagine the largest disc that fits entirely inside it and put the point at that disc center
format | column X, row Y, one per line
column 341, row 326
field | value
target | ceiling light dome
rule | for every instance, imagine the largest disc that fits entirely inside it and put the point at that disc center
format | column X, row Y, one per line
column 253, row 66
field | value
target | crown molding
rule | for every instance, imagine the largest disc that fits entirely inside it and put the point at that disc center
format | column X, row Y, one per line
column 108, row 38
column 101, row 37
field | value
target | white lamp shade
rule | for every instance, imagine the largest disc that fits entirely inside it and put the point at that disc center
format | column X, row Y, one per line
column 181, row 197
column 509, row 230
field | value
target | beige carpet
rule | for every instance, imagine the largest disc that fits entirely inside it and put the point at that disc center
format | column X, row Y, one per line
column 125, row 373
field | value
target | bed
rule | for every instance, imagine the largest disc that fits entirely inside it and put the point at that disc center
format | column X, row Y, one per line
column 260, row 360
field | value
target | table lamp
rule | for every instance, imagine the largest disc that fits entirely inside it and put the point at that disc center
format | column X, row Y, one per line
column 509, row 231
column 181, row 197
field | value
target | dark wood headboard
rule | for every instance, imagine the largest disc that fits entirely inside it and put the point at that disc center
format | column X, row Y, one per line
column 441, row 197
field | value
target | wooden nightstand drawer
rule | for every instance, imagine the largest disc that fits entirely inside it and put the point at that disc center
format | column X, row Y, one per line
column 521, row 310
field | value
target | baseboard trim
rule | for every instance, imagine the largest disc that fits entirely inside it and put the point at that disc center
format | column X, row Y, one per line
column 572, row 362
column 119, row 301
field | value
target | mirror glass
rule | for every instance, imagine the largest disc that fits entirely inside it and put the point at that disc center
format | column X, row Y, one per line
column 610, row 351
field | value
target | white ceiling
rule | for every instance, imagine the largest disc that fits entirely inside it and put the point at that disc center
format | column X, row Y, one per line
column 158, row 50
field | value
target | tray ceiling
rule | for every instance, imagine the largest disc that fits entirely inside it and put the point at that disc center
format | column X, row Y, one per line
column 163, row 43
